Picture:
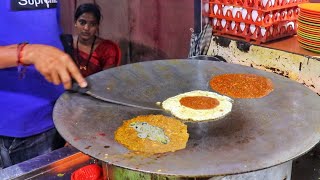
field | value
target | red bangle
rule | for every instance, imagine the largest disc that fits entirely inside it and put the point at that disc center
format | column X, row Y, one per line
column 22, row 68
column 19, row 53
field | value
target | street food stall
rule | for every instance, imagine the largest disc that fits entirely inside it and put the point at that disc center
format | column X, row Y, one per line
column 258, row 139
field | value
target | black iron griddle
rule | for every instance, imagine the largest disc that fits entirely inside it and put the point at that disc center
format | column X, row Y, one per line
column 257, row 134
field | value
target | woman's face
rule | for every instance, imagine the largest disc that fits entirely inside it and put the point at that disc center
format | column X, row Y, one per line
column 87, row 26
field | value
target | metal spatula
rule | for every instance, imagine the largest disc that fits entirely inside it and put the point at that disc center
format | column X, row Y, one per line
column 142, row 105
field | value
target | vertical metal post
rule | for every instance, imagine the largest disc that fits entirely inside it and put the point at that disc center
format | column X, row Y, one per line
column 197, row 16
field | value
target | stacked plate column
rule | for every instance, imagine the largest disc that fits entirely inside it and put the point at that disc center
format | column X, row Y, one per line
column 309, row 26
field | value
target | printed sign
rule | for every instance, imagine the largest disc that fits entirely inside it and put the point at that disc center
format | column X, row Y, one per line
column 20, row 5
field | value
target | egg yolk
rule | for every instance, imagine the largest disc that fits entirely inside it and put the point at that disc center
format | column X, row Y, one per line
column 199, row 102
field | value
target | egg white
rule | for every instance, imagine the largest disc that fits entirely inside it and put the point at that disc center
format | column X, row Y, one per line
column 173, row 105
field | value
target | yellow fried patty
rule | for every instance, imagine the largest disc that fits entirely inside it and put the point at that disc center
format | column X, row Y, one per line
column 175, row 130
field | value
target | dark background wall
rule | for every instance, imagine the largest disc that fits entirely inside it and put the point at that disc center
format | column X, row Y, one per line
column 144, row 29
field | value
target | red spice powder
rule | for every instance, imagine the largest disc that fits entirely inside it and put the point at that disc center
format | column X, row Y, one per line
column 199, row 102
column 242, row 85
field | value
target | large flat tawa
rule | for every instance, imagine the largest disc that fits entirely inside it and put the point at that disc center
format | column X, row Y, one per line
column 257, row 134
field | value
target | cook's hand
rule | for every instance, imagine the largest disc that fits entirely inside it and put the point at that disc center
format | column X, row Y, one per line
column 55, row 65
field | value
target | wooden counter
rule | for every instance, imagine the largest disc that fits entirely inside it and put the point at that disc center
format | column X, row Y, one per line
column 290, row 44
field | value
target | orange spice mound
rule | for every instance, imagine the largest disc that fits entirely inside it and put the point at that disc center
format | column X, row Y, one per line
column 242, row 85
column 173, row 128
column 199, row 102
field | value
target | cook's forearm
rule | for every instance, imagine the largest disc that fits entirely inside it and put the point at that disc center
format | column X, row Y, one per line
column 8, row 56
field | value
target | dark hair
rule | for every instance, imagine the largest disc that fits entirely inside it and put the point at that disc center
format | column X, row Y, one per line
column 88, row 8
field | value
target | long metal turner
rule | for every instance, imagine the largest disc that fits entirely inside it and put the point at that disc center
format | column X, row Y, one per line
column 142, row 105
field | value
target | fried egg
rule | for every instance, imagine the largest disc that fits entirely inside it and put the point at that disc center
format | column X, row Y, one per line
column 198, row 105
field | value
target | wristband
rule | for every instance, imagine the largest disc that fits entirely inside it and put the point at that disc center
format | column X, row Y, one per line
column 19, row 53
column 21, row 66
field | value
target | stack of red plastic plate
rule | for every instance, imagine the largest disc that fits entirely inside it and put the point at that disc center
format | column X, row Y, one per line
column 309, row 26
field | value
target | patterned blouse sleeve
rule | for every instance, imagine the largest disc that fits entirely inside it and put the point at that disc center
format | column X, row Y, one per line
column 108, row 54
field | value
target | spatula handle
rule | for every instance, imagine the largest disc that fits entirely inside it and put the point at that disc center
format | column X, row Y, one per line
column 76, row 88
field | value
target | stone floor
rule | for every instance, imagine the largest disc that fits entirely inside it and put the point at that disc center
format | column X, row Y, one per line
column 307, row 167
